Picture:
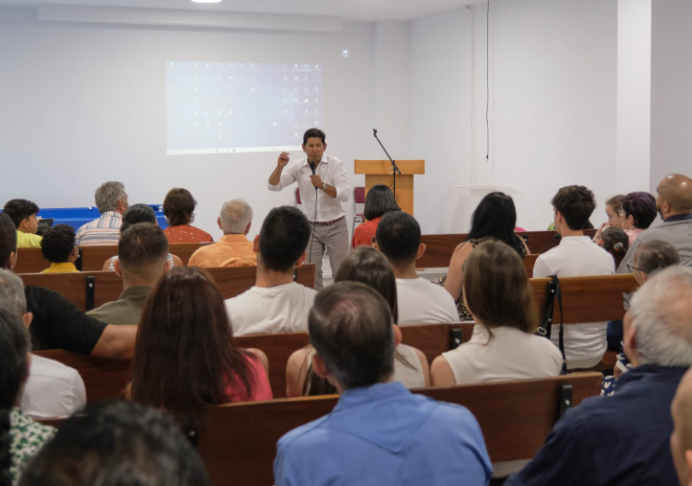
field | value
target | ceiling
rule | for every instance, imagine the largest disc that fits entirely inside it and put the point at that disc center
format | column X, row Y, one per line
column 362, row 10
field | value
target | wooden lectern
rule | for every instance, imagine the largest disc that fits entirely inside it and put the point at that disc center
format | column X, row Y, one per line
column 380, row 172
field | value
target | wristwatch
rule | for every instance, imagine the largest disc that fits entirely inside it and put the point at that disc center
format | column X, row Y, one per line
column 324, row 186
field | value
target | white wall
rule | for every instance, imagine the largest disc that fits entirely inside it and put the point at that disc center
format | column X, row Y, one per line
column 633, row 96
column 82, row 104
column 552, row 110
column 671, row 98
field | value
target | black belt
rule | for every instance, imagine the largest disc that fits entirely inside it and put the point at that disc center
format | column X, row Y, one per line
column 328, row 223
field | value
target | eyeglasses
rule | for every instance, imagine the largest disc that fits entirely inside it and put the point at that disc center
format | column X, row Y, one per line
column 631, row 267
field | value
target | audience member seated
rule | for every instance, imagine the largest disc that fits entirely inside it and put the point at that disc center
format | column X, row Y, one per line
column 52, row 389
column 639, row 211
column 58, row 247
column 420, row 301
column 379, row 432
column 56, row 322
column 378, row 202
column 504, row 345
column 650, row 258
column 495, row 217
column 139, row 213
column 674, row 205
column 370, row 267
column 23, row 214
column 178, row 208
column 142, row 259
column 576, row 256
column 624, row 438
column 233, row 249
column 117, row 443
column 111, row 200
column 185, row 357
column 681, row 438
column 276, row 303
column 20, row 436
column 615, row 214
column 615, row 241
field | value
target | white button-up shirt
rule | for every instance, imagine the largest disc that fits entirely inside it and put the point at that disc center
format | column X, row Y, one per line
column 332, row 172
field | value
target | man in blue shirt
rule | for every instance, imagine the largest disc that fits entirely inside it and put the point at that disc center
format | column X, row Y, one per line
column 624, row 439
column 379, row 433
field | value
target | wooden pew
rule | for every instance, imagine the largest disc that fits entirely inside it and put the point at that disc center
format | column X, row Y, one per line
column 92, row 258
column 439, row 248
column 104, row 379
column 238, row 444
column 88, row 290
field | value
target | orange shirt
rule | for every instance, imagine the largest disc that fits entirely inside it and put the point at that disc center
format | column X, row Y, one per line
column 229, row 251
column 364, row 233
column 185, row 233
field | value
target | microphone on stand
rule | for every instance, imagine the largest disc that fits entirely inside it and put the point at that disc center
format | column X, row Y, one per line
column 314, row 219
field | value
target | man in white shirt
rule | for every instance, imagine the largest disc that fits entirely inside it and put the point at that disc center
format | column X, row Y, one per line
column 420, row 301
column 322, row 190
column 576, row 256
column 52, row 389
column 276, row 303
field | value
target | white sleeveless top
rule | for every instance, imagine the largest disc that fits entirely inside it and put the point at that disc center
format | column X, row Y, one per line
column 511, row 354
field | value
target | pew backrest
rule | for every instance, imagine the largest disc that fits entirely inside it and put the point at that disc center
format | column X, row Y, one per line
column 104, row 379
column 88, row 290
column 238, row 443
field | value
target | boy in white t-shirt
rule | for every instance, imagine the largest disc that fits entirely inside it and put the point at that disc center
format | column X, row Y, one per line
column 420, row 301
column 576, row 256
column 276, row 303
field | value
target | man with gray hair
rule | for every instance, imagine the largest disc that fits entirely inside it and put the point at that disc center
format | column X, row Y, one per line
column 379, row 432
column 233, row 249
column 624, row 438
column 111, row 199
column 52, row 389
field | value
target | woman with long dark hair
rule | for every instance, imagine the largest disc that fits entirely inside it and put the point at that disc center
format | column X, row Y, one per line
column 369, row 266
column 495, row 217
column 378, row 202
column 185, row 358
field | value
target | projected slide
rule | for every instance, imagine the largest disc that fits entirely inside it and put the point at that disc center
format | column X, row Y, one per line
column 227, row 107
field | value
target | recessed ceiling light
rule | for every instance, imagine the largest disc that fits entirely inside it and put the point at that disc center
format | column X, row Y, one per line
column 206, row 1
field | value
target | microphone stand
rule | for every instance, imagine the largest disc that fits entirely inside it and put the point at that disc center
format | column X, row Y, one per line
column 395, row 169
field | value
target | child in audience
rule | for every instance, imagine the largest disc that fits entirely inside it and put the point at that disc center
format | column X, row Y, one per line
column 503, row 346
column 23, row 214
column 185, row 358
column 615, row 214
column 495, row 217
column 616, row 242
column 378, row 202
column 58, row 246
column 372, row 268
column 138, row 213
column 179, row 207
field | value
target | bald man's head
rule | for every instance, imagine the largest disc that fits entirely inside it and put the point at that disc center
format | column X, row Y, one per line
column 681, row 439
column 674, row 195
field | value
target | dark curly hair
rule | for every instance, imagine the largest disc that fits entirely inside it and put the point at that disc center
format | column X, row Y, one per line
column 57, row 243
column 179, row 206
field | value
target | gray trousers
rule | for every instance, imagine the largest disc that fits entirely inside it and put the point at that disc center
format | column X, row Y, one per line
column 334, row 239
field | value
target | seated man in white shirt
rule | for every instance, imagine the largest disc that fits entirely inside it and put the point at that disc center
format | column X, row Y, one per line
column 576, row 256
column 420, row 301
column 276, row 303
column 52, row 389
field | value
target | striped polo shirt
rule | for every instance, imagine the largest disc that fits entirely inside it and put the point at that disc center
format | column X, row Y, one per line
column 102, row 231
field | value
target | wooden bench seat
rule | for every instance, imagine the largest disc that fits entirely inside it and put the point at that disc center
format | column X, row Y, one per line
column 238, row 445
column 88, row 290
